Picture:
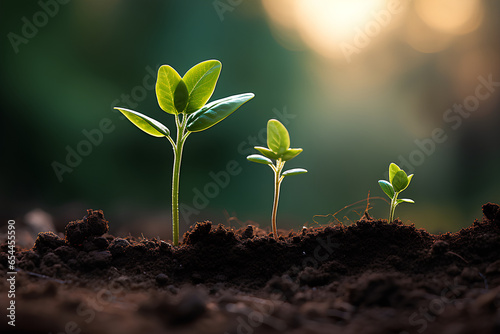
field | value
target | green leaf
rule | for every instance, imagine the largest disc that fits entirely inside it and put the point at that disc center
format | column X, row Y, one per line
column 278, row 139
column 409, row 179
column 291, row 153
column 145, row 123
column 259, row 159
column 400, row 181
column 267, row 152
column 393, row 169
column 294, row 171
column 405, row 200
column 387, row 188
column 181, row 96
column 166, row 84
column 216, row 111
column 200, row 81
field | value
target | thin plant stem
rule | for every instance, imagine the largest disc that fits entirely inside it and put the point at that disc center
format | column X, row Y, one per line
column 277, row 184
column 393, row 207
column 182, row 135
column 275, row 205
column 175, row 195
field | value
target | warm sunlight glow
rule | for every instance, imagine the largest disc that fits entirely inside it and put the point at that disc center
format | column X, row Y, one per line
column 280, row 11
column 424, row 39
column 282, row 16
column 452, row 16
column 324, row 25
column 343, row 29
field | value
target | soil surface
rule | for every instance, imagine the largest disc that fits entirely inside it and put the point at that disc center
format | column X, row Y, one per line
column 367, row 278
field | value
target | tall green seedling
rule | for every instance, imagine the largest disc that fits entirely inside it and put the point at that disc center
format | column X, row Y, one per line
column 398, row 181
column 275, row 155
column 186, row 99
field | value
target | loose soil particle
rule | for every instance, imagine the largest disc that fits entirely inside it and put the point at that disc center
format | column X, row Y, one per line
column 370, row 277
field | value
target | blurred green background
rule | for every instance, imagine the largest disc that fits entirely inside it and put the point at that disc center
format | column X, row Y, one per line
column 359, row 82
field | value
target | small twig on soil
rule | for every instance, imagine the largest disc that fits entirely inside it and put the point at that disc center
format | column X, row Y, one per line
column 366, row 214
column 334, row 215
column 230, row 218
column 235, row 219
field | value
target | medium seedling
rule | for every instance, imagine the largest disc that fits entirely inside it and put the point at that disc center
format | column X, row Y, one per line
column 278, row 142
column 186, row 99
column 398, row 181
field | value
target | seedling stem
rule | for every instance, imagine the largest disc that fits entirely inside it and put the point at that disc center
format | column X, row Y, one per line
column 178, row 146
column 278, row 178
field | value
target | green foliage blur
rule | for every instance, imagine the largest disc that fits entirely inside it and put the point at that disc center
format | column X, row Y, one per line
column 62, row 73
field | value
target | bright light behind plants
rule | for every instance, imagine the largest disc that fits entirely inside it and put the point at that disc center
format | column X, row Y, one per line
column 451, row 16
column 323, row 24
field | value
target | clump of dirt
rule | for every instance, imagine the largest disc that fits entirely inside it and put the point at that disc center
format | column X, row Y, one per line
column 93, row 225
column 369, row 277
column 492, row 212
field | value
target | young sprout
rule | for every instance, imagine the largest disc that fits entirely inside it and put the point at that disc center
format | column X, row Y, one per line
column 186, row 99
column 278, row 142
column 398, row 181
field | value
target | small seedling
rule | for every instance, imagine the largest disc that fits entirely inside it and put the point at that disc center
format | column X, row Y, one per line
column 278, row 149
column 186, row 99
column 398, row 181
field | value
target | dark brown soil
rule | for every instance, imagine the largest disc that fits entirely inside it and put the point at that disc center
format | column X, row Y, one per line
column 368, row 278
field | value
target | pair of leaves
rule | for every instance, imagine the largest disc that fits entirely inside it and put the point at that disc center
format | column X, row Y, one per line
column 200, row 120
column 398, row 178
column 189, row 93
column 389, row 191
column 278, row 142
column 288, row 155
column 398, row 181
